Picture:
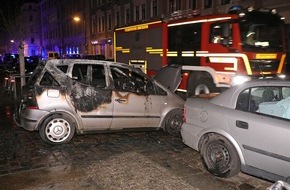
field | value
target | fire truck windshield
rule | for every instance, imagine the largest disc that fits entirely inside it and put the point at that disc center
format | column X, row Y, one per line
column 262, row 35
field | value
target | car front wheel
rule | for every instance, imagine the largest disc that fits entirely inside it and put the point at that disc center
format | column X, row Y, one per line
column 57, row 129
column 220, row 157
column 173, row 122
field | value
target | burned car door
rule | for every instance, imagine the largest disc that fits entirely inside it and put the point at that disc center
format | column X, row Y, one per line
column 90, row 97
column 136, row 101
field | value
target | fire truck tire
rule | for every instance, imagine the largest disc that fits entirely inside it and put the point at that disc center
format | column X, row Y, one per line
column 200, row 86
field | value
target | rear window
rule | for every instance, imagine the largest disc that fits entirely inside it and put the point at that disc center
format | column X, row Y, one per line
column 63, row 68
column 33, row 78
column 48, row 80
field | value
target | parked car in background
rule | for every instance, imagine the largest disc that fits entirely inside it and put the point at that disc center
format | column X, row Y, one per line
column 94, row 57
column 52, row 55
column 71, row 56
column 64, row 97
column 245, row 128
column 11, row 74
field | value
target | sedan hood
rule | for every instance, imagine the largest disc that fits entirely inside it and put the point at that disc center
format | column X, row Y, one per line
column 169, row 76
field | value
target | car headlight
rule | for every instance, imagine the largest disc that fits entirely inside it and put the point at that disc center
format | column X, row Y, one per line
column 238, row 80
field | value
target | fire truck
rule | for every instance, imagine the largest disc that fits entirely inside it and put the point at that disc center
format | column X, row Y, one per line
column 213, row 50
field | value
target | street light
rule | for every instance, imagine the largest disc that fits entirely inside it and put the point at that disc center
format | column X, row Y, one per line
column 78, row 19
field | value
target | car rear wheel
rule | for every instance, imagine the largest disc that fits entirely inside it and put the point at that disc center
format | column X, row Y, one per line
column 220, row 157
column 57, row 129
column 173, row 122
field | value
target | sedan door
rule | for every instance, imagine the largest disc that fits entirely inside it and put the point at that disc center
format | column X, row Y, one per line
column 264, row 139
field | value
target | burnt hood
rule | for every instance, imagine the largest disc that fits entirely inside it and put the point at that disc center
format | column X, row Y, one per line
column 169, row 76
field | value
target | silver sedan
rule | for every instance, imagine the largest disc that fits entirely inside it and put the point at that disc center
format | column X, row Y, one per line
column 245, row 128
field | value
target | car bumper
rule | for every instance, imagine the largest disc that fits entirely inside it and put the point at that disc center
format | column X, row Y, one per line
column 189, row 134
column 30, row 118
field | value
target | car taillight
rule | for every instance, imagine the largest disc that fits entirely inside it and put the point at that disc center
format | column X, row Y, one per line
column 31, row 102
column 184, row 114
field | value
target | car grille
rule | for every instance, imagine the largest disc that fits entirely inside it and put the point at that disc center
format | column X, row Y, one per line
column 264, row 65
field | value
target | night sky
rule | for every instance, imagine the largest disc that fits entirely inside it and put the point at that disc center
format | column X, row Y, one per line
column 9, row 9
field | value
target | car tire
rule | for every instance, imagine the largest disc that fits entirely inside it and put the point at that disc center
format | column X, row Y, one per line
column 220, row 157
column 57, row 129
column 173, row 122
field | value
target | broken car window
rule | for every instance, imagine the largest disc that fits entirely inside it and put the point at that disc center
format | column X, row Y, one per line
column 98, row 76
column 48, row 80
column 63, row 68
column 266, row 100
column 128, row 80
column 79, row 73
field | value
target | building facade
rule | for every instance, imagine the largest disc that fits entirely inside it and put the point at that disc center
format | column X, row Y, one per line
column 94, row 32
column 28, row 23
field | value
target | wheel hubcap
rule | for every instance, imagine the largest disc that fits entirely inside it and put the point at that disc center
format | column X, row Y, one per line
column 201, row 89
column 176, row 123
column 58, row 130
column 219, row 156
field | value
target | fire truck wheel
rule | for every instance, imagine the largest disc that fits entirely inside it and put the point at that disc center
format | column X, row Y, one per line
column 200, row 86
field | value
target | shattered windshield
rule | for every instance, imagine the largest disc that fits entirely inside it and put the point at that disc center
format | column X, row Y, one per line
column 262, row 34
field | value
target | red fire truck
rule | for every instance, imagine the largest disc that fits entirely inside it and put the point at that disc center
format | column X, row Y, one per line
column 212, row 49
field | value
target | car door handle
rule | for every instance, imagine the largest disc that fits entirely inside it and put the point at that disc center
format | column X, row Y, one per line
column 242, row 124
column 120, row 100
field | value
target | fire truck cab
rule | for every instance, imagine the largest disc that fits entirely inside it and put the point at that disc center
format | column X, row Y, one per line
column 213, row 50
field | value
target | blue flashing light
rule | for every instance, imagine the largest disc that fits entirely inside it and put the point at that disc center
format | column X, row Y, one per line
column 236, row 9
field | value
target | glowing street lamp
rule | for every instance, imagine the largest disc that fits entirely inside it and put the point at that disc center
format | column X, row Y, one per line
column 78, row 19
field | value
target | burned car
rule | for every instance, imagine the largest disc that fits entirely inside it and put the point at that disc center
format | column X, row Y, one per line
column 244, row 128
column 64, row 97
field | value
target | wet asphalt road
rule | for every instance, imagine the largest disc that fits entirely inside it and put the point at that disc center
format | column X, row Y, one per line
column 136, row 160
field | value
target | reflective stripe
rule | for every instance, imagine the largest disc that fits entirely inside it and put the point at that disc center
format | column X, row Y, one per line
column 228, row 55
column 281, row 63
column 199, row 21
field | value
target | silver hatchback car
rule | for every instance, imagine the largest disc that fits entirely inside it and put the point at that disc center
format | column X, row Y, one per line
column 245, row 128
column 64, row 97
